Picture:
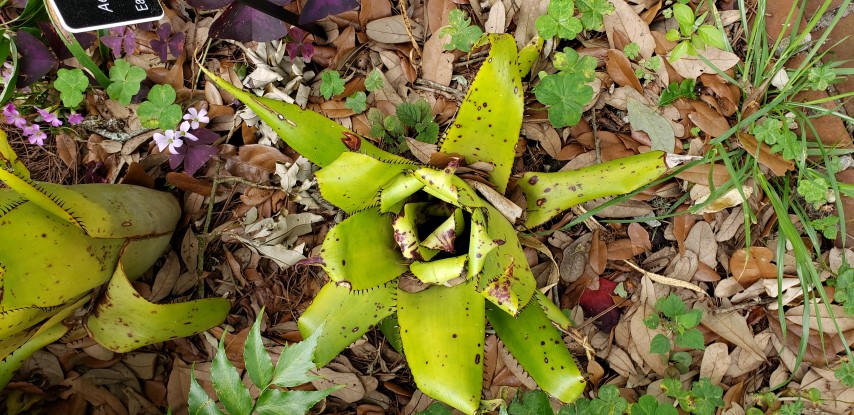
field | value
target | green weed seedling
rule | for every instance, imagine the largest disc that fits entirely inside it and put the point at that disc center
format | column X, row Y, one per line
column 124, row 81
column 703, row 398
column 374, row 81
column 692, row 35
column 331, row 84
column 676, row 90
column 160, row 110
column 463, row 34
column 291, row 370
column 681, row 323
column 358, row 102
column 413, row 119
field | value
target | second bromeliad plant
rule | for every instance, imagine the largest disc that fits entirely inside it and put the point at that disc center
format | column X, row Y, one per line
column 426, row 255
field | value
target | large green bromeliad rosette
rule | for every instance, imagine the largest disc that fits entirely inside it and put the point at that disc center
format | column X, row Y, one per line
column 58, row 243
column 426, row 256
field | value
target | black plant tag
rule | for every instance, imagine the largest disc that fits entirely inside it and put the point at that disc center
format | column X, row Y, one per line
column 84, row 15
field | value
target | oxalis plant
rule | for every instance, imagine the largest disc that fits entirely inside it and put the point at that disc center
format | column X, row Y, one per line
column 427, row 254
column 60, row 242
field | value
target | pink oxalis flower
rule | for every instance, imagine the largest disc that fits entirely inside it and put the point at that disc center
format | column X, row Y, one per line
column 49, row 117
column 195, row 117
column 75, row 119
column 169, row 139
column 12, row 116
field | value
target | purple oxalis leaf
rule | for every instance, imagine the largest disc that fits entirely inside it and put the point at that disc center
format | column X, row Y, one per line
column 36, row 59
column 120, row 37
column 194, row 154
column 167, row 42
column 243, row 23
column 298, row 46
column 315, row 10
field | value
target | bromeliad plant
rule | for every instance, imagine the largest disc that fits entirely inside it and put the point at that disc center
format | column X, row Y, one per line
column 60, row 243
column 427, row 257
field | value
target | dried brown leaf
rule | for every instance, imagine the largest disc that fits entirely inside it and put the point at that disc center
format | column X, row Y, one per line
column 620, row 70
column 708, row 119
column 701, row 241
column 715, row 363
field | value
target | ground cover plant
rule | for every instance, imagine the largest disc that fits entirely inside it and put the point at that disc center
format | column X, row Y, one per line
column 724, row 285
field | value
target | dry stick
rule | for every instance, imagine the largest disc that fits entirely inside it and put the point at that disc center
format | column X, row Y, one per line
column 248, row 183
column 203, row 238
column 439, row 87
column 408, row 25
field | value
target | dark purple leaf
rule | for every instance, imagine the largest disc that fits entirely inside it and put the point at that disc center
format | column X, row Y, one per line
column 209, row 4
column 120, row 38
column 243, row 23
column 315, row 10
column 19, row 3
column 298, row 46
column 36, row 59
column 194, row 154
column 167, row 42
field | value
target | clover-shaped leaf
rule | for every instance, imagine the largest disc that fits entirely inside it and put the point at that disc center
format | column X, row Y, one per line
column 357, row 102
column 331, row 84
column 566, row 95
column 560, row 21
column 593, row 13
column 125, row 80
column 160, row 111
column 569, row 61
column 462, row 33
column 71, row 83
column 374, row 81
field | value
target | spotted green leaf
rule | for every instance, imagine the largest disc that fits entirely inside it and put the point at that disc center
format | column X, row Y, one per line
column 449, row 348
column 488, row 122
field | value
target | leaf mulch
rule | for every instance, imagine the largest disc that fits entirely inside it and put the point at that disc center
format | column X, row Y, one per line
column 253, row 212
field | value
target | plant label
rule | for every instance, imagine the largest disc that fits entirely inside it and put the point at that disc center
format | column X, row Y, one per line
column 84, row 15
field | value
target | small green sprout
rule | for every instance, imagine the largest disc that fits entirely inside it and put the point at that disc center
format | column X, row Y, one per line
column 676, row 90
column 704, row 398
column 374, row 81
column 331, row 84
column 775, row 132
column 674, row 318
column 357, row 102
column 463, row 34
column 693, row 34
column 631, row 50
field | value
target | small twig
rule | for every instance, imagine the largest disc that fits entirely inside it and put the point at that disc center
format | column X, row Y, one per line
column 408, row 25
column 742, row 306
column 468, row 62
column 439, row 87
column 248, row 183
column 203, row 237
